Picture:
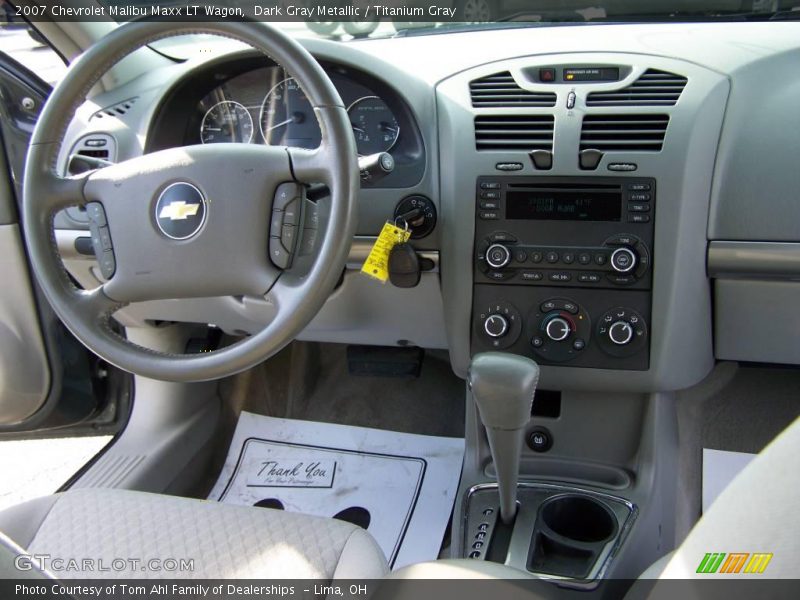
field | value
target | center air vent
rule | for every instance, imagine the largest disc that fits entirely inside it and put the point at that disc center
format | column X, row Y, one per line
column 653, row 88
column 514, row 132
column 630, row 133
column 500, row 90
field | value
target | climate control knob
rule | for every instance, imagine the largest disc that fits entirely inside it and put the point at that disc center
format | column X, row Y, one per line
column 558, row 329
column 495, row 326
column 620, row 333
column 497, row 256
column 623, row 260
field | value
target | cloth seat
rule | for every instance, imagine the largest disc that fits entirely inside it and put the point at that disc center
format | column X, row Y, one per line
column 114, row 528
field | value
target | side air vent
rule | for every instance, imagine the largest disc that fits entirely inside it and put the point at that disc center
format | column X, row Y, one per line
column 653, row 88
column 630, row 133
column 514, row 132
column 115, row 110
column 500, row 90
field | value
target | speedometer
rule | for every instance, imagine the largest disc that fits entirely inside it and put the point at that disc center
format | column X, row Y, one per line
column 227, row 121
column 374, row 125
column 287, row 117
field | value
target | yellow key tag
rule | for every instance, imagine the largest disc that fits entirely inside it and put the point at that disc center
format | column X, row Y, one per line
column 377, row 263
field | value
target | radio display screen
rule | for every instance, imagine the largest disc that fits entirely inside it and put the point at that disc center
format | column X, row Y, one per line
column 564, row 205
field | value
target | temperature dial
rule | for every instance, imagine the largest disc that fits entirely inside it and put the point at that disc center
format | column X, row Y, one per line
column 558, row 329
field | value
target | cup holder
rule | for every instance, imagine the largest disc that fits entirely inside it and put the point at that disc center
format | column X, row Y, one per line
column 579, row 518
column 570, row 534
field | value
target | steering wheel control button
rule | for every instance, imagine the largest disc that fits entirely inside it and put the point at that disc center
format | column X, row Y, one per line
column 620, row 333
column 96, row 214
column 278, row 254
column 497, row 256
column 495, row 326
column 180, row 211
column 284, row 194
column 540, row 440
column 108, row 264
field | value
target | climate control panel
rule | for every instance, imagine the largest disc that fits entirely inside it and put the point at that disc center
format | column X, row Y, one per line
column 583, row 328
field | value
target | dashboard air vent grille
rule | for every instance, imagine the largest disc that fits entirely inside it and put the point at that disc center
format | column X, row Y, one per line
column 115, row 110
column 631, row 133
column 500, row 90
column 653, row 88
column 514, row 132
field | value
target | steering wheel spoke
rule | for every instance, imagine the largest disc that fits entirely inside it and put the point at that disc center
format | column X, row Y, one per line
column 191, row 222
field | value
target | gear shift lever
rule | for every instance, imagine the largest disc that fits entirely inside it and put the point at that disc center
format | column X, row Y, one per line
column 503, row 386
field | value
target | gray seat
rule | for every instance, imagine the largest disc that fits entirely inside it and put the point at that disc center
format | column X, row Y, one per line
column 222, row 540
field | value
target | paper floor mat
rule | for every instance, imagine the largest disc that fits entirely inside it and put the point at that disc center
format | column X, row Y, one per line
column 402, row 485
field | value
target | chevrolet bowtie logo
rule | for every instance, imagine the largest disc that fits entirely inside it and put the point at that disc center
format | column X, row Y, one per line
column 178, row 210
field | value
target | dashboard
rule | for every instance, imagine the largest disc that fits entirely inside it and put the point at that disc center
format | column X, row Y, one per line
column 606, row 196
column 252, row 101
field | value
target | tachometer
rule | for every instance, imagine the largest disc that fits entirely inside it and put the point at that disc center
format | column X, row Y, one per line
column 227, row 121
column 287, row 118
column 374, row 125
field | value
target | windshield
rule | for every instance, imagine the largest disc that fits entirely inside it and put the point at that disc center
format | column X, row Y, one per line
column 355, row 19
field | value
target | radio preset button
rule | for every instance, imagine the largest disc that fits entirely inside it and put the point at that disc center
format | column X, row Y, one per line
column 520, row 256
column 568, row 257
column 600, row 259
column 584, row 258
column 536, row 256
column 551, row 257
column 497, row 256
column 623, row 260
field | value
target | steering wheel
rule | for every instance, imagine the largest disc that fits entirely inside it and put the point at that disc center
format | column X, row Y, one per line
column 194, row 221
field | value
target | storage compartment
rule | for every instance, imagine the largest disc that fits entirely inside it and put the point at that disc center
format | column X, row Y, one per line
column 570, row 534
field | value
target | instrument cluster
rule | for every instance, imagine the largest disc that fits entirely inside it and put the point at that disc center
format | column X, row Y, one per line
column 266, row 106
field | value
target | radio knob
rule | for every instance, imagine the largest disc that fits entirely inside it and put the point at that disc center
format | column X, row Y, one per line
column 495, row 326
column 558, row 329
column 623, row 260
column 620, row 333
column 497, row 256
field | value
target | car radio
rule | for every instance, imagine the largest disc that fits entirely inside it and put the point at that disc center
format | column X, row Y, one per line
column 580, row 232
column 563, row 268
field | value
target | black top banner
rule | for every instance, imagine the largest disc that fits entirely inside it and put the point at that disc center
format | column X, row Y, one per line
column 423, row 11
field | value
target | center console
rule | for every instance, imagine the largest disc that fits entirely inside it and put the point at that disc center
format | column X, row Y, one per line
column 563, row 269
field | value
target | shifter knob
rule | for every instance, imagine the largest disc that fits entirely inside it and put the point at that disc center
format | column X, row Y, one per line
column 503, row 386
